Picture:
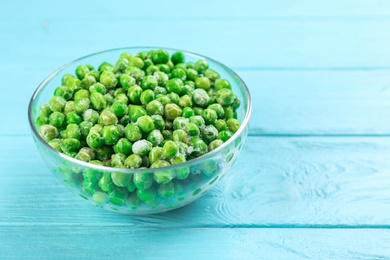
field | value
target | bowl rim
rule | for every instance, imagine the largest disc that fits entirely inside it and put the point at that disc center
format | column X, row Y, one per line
column 131, row 171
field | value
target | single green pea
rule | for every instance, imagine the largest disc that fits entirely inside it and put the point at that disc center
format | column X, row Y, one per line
column 81, row 71
column 158, row 122
column 145, row 123
column 187, row 89
column 143, row 180
column 212, row 92
column 136, row 62
column 166, row 190
column 233, row 125
column 107, row 162
column 174, row 98
column 201, row 66
column 218, row 109
column 155, row 154
column 228, row 112
column 151, row 70
column 155, row 137
column 190, row 65
column 118, row 195
column 57, row 119
column 147, row 63
column 121, row 97
column 103, row 153
column 121, row 179
column 73, row 83
column 147, row 96
column 96, row 162
column 48, row 132
column 81, row 105
column 70, row 145
column 200, row 97
column 42, row 121
column 57, row 104
column 105, row 183
column 125, row 55
column 88, row 81
column 149, row 82
column 192, row 74
column 209, row 134
column 127, row 81
column 134, row 161
column 177, row 57
column 91, row 115
column 163, row 176
column 108, row 79
column 211, row 75
column 85, row 127
column 198, row 120
column 160, row 57
column 170, row 65
column 134, row 93
column 130, row 187
column 132, row 201
column 118, row 160
column 97, row 101
column 56, row 144
column 142, row 147
column 95, row 74
column 82, row 93
column 122, row 64
column 180, row 66
column 123, row 146
column 85, row 154
column 70, row 154
column 192, row 129
column 147, row 194
column 172, row 111
column 174, row 85
column 197, row 146
column 215, row 144
column 179, row 74
column 97, row 128
column 236, row 103
column 163, row 99
column 145, row 162
column 183, row 148
column 135, row 72
column 164, row 68
column 185, row 101
column 109, row 99
column 44, row 111
column 220, row 125
column 182, row 172
column 124, row 120
column 98, row 87
column 107, row 117
column 136, row 112
column 180, row 135
column 225, row 97
column 71, row 131
column 209, row 116
column 133, row 133
column 203, row 83
column 162, row 78
column 167, row 134
column 63, row 91
column 222, row 83
column 188, row 112
column 89, row 187
column 180, row 123
column 170, row 149
column 94, row 140
column 69, row 107
column 73, row 118
column 225, row 135
column 110, row 134
column 65, row 78
column 119, row 109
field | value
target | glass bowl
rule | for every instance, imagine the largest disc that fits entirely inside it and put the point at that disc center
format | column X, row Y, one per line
column 204, row 172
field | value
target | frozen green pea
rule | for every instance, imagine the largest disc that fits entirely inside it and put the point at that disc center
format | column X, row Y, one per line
column 218, row 109
column 164, row 68
column 174, row 98
column 109, row 99
column 130, row 187
column 192, row 74
column 179, row 73
column 110, row 134
column 44, row 111
column 147, row 96
column 121, row 97
column 155, row 154
column 91, row 116
column 100, row 197
column 185, row 101
column 225, row 135
column 143, row 180
column 200, row 97
column 201, row 66
column 133, row 133
column 105, row 183
column 96, row 162
column 73, row 83
column 124, row 120
column 65, row 78
column 81, row 105
column 180, row 135
column 215, row 144
column 211, row 75
column 177, row 57
column 220, row 125
column 132, row 201
column 188, row 112
column 202, row 83
column 119, row 109
column 149, row 82
column 122, row 64
column 57, row 104
column 123, row 146
column 85, row 154
column 160, row 57
column 118, row 195
column 162, row 78
column 151, row 70
column 134, row 161
column 97, row 101
column 225, row 97
column 233, row 125
column 105, row 66
column 88, row 81
column 125, row 55
column 70, row 145
column 169, row 149
column 166, row 190
column 155, row 137
column 42, row 121
column 82, row 93
column 147, row 63
column 155, row 108
column 134, row 93
column 63, row 91
column 108, row 79
column 57, row 119
column 209, row 116
column 142, row 147
column 136, row 112
column 192, row 129
column 174, row 85
column 164, row 175
column 103, row 153
column 89, row 187
column 145, row 123
column 167, row 134
column 198, row 111
column 81, row 71
column 148, row 194
column 48, row 132
column 56, row 144
column 158, row 122
column 85, row 127
column 127, row 81
column 96, row 129
column 172, row 111
column 136, row 62
column 108, row 118
column 222, row 83
column 180, row 123
column 160, row 91
column 121, row 179
column 236, row 103
column 197, row 146
column 69, row 107
column 71, row 131
column 229, row 113
column 95, row 74
column 209, row 134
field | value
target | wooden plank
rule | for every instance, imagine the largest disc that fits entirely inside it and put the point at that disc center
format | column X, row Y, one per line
column 276, row 182
column 125, row 242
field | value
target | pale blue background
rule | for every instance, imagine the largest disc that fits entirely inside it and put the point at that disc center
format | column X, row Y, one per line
column 313, row 180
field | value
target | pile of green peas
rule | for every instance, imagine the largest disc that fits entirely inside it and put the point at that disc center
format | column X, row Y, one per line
column 149, row 110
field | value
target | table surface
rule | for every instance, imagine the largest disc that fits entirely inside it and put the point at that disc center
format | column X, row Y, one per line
column 313, row 179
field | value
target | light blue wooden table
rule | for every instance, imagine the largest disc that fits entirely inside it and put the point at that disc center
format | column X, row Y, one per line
column 313, row 180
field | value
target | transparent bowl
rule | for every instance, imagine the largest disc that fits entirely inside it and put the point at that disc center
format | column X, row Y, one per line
column 205, row 171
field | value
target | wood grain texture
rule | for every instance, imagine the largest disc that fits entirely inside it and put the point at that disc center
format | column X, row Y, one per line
column 276, row 182
column 128, row 242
